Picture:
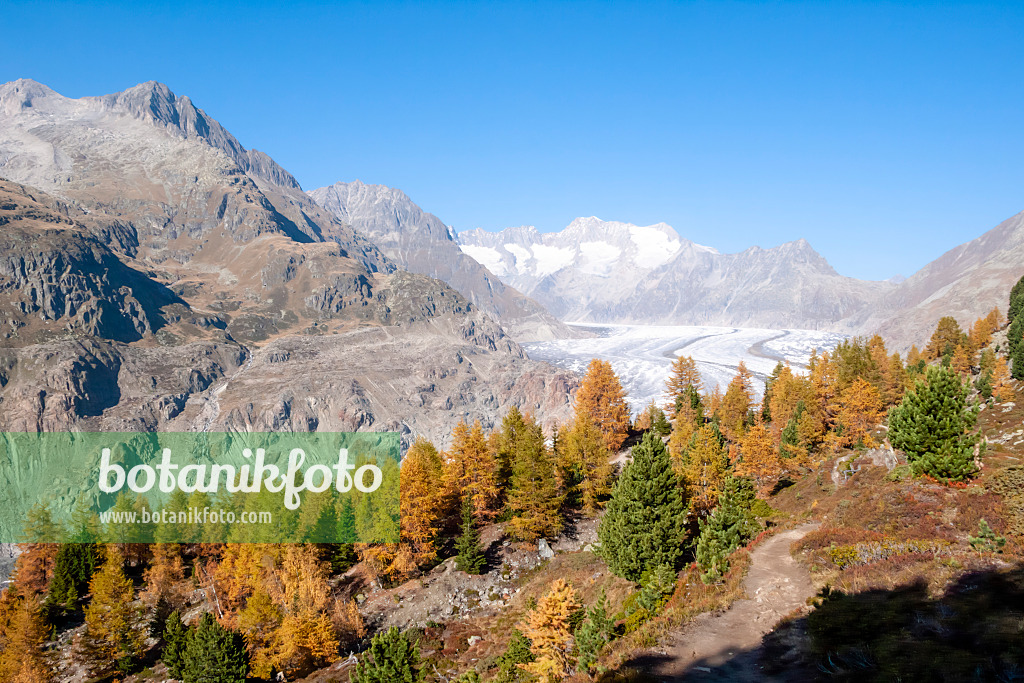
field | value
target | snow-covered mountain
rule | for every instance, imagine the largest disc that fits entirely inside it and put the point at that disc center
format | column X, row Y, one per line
column 603, row 271
column 419, row 242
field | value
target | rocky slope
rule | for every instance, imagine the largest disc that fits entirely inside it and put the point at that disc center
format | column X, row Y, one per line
column 966, row 282
column 421, row 243
column 601, row 271
column 165, row 264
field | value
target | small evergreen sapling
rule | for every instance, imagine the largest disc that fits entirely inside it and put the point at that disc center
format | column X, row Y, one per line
column 729, row 526
column 470, row 558
column 393, row 658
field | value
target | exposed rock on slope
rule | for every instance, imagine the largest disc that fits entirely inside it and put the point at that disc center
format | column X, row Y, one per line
column 420, row 242
column 165, row 263
column 966, row 282
column 600, row 271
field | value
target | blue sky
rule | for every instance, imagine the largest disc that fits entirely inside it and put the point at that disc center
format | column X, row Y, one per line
column 884, row 133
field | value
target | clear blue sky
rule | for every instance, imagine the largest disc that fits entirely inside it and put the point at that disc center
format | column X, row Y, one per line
column 884, row 133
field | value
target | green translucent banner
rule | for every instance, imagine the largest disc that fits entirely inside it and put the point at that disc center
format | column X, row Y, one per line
column 199, row 487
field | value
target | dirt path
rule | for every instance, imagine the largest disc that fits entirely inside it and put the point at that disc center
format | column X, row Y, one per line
column 723, row 646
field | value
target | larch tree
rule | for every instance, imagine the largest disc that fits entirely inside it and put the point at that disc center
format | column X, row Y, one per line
column 960, row 361
column 550, row 633
column 114, row 638
column 513, row 426
column 684, row 378
column 737, row 403
column 933, row 426
column 22, row 634
column 602, row 398
column 944, row 340
column 583, row 452
column 1001, row 387
column 760, row 459
column 471, row 470
column 705, row 468
column 423, row 503
column 645, row 523
column 534, row 497
column 860, row 410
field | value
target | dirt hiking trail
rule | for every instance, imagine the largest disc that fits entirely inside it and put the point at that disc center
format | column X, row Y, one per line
column 723, row 646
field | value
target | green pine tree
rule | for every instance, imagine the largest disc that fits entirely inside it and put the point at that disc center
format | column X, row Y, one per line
column 932, row 426
column 72, row 570
column 470, row 557
column 986, row 541
column 660, row 423
column 393, row 659
column 517, row 652
column 214, row 654
column 645, row 523
column 176, row 636
column 1016, row 353
column 594, row 633
column 730, row 525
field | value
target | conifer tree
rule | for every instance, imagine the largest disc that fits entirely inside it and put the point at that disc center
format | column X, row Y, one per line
column 704, row 469
column 729, row 526
column 645, row 523
column 512, row 429
column 549, row 631
column 961, row 361
column 72, row 570
column 471, row 469
column 393, row 658
column 759, row 458
column 683, row 382
column 175, row 642
column 932, row 426
column 22, row 633
column 113, row 637
column 594, row 633
column 945, row 339
column 422, row 500
column 214, row 654
column 602, row 398
column 470, row 557
column 737, row 403
column 582, row 451
column 1001, row 388
column 517, row 652
column 860, row 409
column 533, row 497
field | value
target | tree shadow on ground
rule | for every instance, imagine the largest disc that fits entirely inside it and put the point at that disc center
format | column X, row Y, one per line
column 974, row 631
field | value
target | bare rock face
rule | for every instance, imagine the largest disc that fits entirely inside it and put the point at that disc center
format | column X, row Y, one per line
column 602, row 271
column 419, row 242
column 157, row 275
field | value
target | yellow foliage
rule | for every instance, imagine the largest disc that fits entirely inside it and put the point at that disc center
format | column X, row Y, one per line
column 704, row 470
column 471, row 469
column 759, row 458
column 550, row 634
column 423, row 501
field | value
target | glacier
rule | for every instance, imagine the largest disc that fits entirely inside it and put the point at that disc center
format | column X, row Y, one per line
column 642, row 355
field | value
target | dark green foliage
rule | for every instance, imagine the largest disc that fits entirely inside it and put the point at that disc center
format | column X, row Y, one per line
column 660, row 423
column 72, row 570
column 1016, row 348
column 1016, row 301
column 984, row 382
column 175, row 641
column 518, row 652
column 932, row 424
column 393, row 659
column 730, row 525
column 470, row 557
column 986, row 541
column 594, row 633
column 692, row 396
column 645, row 522
column 214, row 654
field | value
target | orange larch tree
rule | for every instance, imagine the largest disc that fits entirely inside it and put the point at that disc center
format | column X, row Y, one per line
column 423, row 501
column 470, row 468
column 759, row 458
column 602, row 398
column 737, row 403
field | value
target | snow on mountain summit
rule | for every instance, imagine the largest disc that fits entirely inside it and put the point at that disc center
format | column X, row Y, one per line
column 613, row 272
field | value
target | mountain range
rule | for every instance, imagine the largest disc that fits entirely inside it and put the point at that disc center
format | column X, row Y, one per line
column 157, row 275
